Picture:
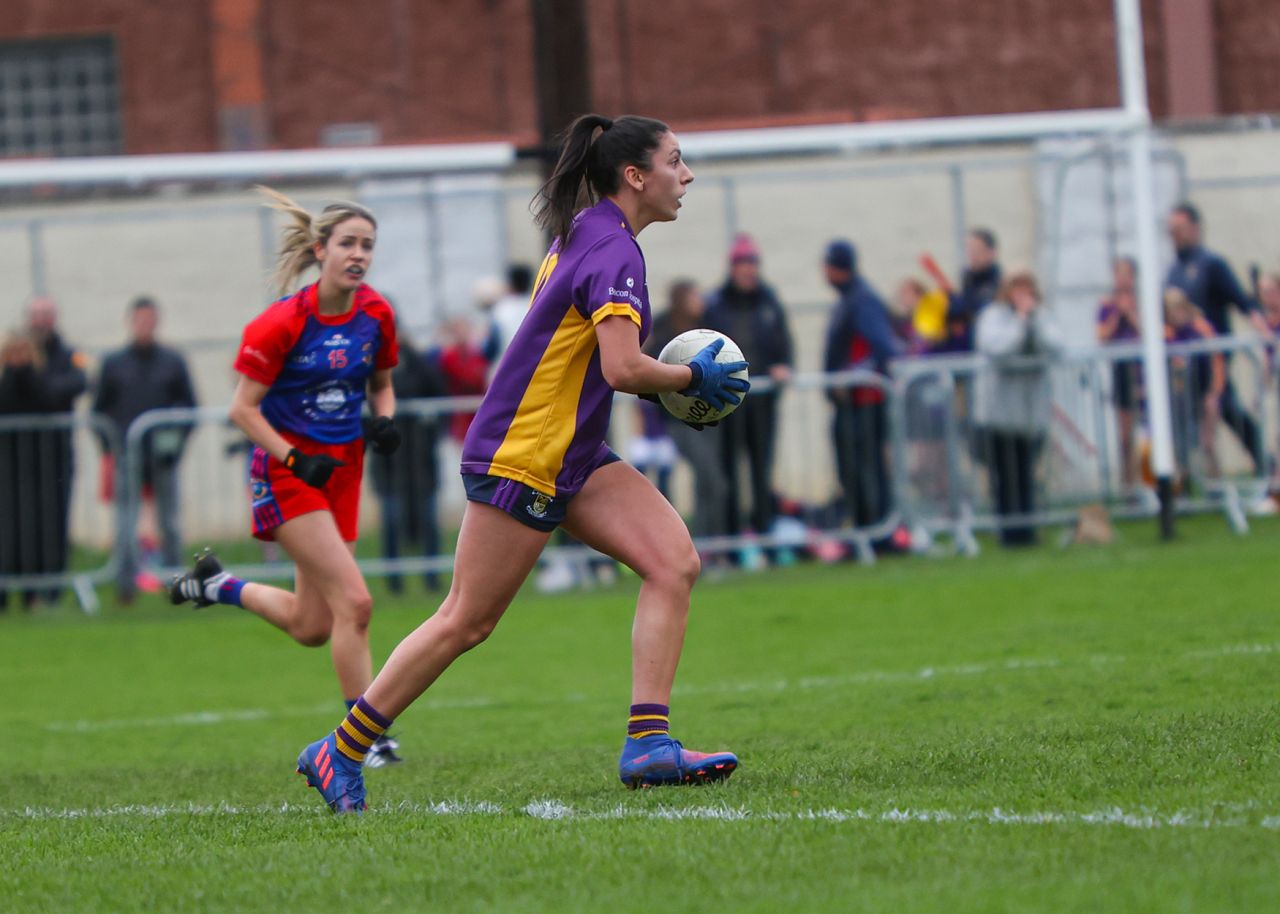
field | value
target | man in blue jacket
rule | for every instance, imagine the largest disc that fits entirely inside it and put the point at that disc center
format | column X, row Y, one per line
column 747, row 310
column 859, row 335
column 1209, row 283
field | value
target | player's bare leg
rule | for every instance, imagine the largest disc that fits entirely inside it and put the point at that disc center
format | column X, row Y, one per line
column 495, row 555
column 332, row 602
column 657, row 548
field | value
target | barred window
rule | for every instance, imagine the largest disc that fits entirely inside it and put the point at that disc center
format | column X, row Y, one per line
column 59, row 97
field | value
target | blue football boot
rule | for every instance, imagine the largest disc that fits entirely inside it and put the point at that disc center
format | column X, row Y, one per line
column 654, row 761
column 338, row 779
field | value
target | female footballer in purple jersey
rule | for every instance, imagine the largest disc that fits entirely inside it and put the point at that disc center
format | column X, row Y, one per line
column 306, row 365
column 535, row 458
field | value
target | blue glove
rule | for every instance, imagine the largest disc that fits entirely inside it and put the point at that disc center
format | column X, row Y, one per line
column 712, row 380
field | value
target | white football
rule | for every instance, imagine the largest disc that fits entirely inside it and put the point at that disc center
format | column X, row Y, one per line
column 680, row 351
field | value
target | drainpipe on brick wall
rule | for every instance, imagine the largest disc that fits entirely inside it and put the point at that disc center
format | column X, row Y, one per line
column 239, row 93
column 1190, row 59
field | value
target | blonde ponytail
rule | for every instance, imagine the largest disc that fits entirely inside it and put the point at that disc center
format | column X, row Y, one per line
column 298, row 239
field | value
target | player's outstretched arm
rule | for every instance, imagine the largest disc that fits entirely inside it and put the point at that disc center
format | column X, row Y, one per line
column 629, row 370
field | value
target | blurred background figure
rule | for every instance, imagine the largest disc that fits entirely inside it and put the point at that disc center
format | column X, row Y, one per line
column 141, row 377
column 859, row 336
column 748, row 311
column 650, row 449
column 507, row 311
column 978, row 287
column 43, row 376
column 464, row 367
column 700, row 449
column 918, row 316
column 1012, row 398
column 1196, row 386
column 1269, row 300
column 1118, row 323
column 1209, row 283
column 407, row 481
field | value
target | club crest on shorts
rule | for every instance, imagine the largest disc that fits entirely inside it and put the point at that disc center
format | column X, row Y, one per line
column 540, row 504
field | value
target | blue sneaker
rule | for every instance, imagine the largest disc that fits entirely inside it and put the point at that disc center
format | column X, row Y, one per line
column 657, row 760
column 338, row 779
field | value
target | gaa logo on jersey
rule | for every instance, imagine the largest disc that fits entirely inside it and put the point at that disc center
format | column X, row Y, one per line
column 332, row 398
column 540, row 504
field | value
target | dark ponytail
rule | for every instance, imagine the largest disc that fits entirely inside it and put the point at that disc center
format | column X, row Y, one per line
column 591, row 164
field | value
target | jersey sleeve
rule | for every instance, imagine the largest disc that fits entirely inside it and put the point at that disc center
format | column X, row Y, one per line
column 265, row 344
column 611, row 281
column 389, row 348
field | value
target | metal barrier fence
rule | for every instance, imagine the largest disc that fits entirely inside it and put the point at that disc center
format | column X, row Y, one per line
column 42, row 458
column 958, row 476
column 853, row 463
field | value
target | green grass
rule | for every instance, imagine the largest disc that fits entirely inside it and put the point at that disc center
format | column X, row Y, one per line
column 1079, row 730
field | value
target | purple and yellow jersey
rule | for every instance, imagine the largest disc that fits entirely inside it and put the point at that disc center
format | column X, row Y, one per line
column 544, row 419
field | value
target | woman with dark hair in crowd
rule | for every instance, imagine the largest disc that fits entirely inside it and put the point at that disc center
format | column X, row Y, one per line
column 535, row 458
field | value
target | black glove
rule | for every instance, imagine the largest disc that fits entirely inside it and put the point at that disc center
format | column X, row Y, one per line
column 313, row 469
column 383, row 435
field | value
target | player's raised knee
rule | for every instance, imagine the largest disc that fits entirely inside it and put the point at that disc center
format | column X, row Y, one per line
column 310, row 635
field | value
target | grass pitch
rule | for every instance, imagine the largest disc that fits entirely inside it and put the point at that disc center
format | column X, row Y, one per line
column 1080, row 730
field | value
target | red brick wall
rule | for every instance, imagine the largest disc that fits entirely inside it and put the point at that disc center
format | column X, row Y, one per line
column 165, row 88
column 1248, row 55
column 733, row 59
column 443, row 70
column 425, row 70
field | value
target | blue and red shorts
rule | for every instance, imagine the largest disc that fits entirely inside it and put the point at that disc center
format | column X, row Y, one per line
column 276, row 495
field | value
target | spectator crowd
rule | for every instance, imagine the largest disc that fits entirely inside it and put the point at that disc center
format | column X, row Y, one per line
column 1004, row 407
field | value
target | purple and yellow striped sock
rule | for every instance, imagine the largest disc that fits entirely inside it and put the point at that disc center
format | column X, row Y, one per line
column 648, row 720
column 357, row 733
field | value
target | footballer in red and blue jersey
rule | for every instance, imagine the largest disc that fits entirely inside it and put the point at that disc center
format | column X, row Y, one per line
column 317, row 368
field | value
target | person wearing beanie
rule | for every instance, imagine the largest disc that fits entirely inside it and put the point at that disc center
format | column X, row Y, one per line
column 859, row 336
column 748, row 311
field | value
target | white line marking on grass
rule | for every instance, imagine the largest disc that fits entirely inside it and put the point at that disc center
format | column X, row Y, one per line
column 557, row 810
column 208, row 718
column 865, row 677
column 1235, row 650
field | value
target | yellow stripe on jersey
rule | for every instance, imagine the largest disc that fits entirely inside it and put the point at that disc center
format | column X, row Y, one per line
column 544, row 273
column 615, row 307
column 547, row 418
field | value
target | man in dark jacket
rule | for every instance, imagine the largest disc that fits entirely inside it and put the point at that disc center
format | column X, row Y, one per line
column 1211, row 286
column 978, row 287
column 859, row 336
column 42, row 376
column 748, row 311
column 141, row 377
